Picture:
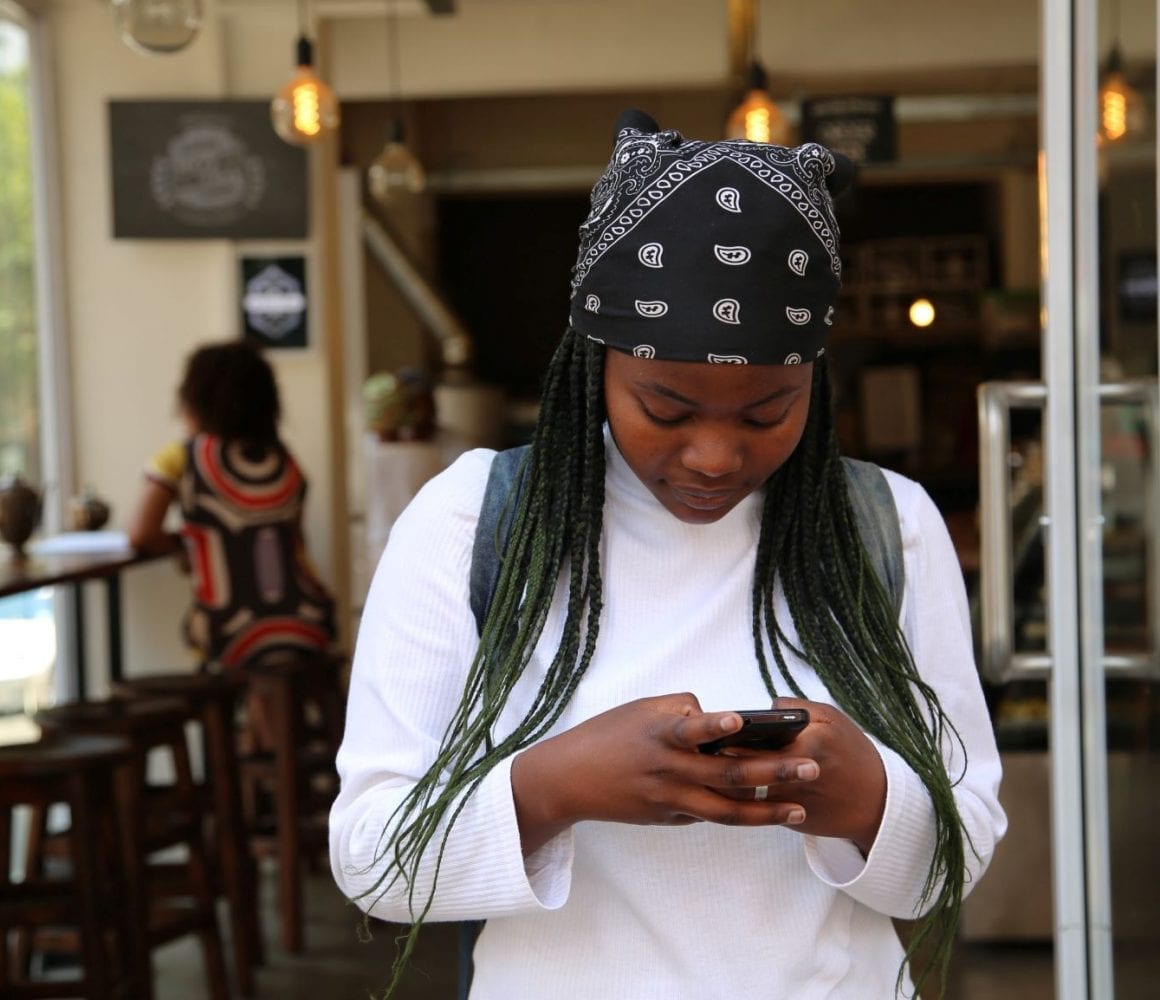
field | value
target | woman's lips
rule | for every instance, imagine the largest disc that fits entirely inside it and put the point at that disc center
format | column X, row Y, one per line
column 702, row 499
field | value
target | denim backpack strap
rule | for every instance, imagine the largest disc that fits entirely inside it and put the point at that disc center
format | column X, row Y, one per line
column 468, row 931
column 877, row 517
column 507, row 472
column 492, row 531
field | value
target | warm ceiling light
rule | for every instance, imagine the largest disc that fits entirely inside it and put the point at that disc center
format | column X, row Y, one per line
column 395, row 170
column 305, row 109
column 157, row 26
column 1120, row 105
column 1121, row 108
column 758, row 118
column 922, row 312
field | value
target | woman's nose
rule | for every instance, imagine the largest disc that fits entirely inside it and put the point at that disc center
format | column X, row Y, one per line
column 712, row 455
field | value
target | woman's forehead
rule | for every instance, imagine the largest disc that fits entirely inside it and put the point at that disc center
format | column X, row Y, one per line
column 700, row 381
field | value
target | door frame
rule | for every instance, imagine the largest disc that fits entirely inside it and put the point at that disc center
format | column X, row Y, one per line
column 1069, row 213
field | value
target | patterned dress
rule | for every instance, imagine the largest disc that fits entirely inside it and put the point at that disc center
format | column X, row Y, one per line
column 254, row 590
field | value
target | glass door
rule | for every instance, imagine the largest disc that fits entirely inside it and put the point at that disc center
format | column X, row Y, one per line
column 1070, row 596
column 1120, row 669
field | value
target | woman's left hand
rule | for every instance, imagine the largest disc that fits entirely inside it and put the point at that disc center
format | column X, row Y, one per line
column 848, row 794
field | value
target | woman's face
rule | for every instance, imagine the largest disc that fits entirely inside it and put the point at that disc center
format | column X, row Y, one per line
column 702, row 437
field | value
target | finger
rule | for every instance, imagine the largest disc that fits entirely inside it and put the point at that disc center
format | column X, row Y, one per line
column 795, row 815
column 746, row 812
column 793, row 770
column 746, row 771
column 693, row 730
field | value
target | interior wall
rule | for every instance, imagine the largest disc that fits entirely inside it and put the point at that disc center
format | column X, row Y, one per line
column 547, row 46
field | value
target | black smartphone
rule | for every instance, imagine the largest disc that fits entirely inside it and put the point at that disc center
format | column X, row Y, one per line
column 763, row 729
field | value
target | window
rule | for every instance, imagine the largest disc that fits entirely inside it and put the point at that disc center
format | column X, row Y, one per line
column 28, row 409
column 20, row 445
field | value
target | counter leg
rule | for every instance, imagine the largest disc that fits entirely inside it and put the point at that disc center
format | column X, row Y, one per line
column 80, row 678
column 113, row 604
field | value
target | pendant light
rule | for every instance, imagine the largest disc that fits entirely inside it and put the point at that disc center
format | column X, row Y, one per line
column 1120, row 104
column 758, row 118
column 395, row 172
column 305, row 109
column 395, row 169
column 1121, row 108
column 157, row 27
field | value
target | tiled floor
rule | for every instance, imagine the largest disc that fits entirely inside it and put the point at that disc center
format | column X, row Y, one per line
column 337, row 966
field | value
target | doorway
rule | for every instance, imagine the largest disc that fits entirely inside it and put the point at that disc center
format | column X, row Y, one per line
column 1069, row 592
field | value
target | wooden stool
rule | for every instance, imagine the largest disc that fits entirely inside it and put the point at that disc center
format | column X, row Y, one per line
column 212, row 698
column 306, row 699
column 88, row 774
column 181, row 898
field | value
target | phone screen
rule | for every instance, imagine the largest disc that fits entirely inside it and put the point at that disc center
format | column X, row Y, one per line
column 763, row 729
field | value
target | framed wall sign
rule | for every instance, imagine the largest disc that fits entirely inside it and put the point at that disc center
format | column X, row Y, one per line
column 274, row 312
column 860, row 127
column 204, row 169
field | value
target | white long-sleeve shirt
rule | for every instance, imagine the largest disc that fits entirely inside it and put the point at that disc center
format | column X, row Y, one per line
column 608, row 909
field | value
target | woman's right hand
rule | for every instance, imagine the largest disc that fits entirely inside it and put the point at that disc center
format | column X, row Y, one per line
column 638, row 763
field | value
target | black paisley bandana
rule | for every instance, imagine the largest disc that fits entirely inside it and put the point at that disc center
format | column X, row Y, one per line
column 722, row 252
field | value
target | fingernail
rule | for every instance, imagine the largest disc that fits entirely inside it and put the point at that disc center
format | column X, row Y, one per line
column 727, row 724
column 807, row 772
column 795, row 816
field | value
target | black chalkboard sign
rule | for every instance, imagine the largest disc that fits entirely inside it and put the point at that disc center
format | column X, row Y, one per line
column 860, row 127
column 190, row 169
column 274, row 301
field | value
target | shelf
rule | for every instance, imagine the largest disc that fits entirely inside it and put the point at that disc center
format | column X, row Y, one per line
column 913, row 265
column 883, row 277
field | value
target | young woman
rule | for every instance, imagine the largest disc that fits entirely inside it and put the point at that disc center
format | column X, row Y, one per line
column 683, row 546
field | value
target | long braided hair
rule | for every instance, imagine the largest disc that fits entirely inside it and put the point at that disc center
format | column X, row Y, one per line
column 845, row 622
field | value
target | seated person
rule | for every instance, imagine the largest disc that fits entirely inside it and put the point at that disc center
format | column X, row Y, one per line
column 241, row 495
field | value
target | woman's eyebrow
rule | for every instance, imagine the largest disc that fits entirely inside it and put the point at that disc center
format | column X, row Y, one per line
column 664, row 390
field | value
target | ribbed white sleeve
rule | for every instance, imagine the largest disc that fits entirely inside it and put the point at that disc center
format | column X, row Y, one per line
column 410, row 661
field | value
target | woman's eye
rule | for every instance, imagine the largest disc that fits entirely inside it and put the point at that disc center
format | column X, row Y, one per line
column 763, row 423
column 664, row 421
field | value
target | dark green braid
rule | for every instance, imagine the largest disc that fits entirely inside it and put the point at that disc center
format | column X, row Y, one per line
column 844, row 618
column 848, row 629
column 556, row 525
